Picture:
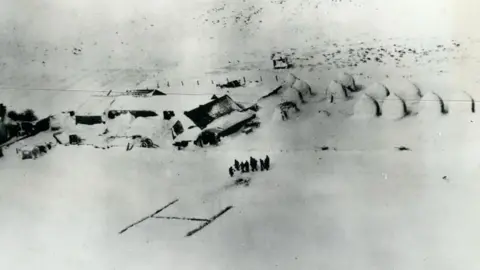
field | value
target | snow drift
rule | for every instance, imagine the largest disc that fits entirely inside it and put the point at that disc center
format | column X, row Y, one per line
column 377, row 91
column 336, row 92
column 347, row 81
column 431, row 105
column 394, row 107
column 366, row 107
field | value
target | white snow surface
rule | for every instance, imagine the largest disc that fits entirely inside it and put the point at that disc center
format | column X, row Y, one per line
column 361, row 204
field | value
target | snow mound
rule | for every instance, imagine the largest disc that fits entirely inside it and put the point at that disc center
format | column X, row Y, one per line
column 405, row 89
column 335, row 91
column 62, row 121
column 290, row 79
column 291, row 95
column 120, row 125
column 148, row 127
column 377, row 91
column 366, row 107
column 461, row 103
column 394, row 107
column 432, row 105
column 347, row 81
column 303, row 88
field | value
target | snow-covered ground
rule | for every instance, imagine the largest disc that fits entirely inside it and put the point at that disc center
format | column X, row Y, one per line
column 339, row 195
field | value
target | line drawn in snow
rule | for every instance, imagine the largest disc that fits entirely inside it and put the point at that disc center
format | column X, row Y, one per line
column 205, row 221
column 148, row 217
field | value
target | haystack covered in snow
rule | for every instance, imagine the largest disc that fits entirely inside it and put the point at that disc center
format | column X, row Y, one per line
column 405, row 89
column 394, row 107
column 303, row 88
column 378, row 91
column 336, row 92
column 347, row 81
column 432, row 104
column 366, row 107
column 285, row 111
column 290, row 79
column 291, row 95
column 461, row 102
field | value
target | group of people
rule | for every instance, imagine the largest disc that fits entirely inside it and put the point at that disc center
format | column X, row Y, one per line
column 247, row 166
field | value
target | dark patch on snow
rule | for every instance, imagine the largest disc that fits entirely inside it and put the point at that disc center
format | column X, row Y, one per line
column 403, row 148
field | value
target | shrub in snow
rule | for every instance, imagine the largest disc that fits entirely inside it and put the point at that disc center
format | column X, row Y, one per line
column 25, row 116
column 461, row 103
column 394, row 107
column 378, row 91
column 432, row 104
column 335, row 91
column 366, row 107
column 347, row 81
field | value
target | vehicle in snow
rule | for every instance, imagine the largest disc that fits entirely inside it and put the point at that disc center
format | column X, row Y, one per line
column 33, row 152
column 281, row 60
column 231, row 84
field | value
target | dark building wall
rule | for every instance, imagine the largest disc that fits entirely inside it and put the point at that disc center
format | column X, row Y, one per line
column 88, row 119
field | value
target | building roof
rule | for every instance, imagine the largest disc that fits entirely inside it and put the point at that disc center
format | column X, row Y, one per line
column 175, row 103
column 205, row 114
column 229, row 120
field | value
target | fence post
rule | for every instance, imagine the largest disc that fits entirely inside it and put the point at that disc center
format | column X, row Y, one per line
column 168, row 84
column 182, row 83
column 244, row 80
column 276, row 78
column 198, row 83
column 227, row 80
column 261, row 79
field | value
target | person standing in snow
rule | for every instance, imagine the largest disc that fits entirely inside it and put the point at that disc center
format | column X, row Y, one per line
column 242, row 167
column 253, row 163
column 247, row 166
column 267, row 163
column 262, row 165
column 237, row 165
column 230, row 171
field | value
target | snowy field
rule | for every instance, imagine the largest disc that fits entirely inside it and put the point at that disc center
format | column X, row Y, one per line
column 339, row 195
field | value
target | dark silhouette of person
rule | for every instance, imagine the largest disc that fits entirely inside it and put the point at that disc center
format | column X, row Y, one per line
column 247, row 166
column 262, row 165
column 237, row 165
column 230, row 171
column 242, row 167
column 267, row 163
column 253, row 164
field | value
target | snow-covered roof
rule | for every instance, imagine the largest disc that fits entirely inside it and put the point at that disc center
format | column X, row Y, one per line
column 188, row 134
column 178, row 103
column 95, row 105
column 229, row 120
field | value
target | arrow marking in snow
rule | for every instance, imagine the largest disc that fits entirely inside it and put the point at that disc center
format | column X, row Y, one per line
column 185, row 218
column 147, row 217
column 190, row 233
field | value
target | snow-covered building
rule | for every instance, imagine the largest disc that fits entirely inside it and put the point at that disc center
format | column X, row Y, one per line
column 218, row 118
